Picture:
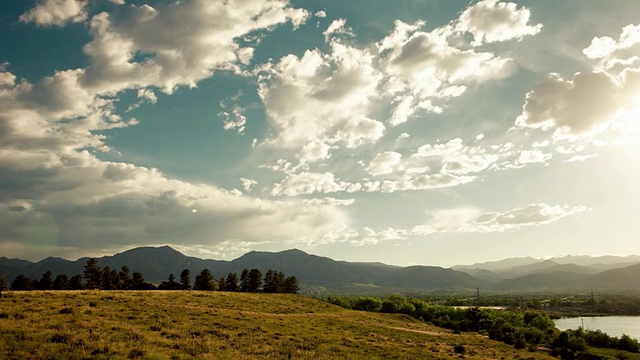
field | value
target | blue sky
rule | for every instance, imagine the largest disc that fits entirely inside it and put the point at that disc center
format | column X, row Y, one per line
column 419, row 132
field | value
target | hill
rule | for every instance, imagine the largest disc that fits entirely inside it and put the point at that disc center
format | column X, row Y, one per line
column 218, row 325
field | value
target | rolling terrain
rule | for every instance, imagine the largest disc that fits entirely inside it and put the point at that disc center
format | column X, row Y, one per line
column 218, row 325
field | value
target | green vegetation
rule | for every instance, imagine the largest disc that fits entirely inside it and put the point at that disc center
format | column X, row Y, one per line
column 221, row 325
column 521, row 329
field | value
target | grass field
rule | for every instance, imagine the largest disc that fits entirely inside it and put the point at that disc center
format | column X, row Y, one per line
column 218, row 325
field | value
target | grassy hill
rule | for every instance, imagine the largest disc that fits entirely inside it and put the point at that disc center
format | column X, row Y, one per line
column 218, row 325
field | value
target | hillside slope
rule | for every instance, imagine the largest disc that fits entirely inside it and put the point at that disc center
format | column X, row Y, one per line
column 217, row 325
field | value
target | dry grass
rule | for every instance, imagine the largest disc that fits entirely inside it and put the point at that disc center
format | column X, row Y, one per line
column 216, row 325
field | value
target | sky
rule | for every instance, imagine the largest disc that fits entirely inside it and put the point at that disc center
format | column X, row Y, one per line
column 410, row 133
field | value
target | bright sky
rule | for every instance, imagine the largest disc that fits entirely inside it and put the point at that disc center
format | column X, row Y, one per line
column 414, row 132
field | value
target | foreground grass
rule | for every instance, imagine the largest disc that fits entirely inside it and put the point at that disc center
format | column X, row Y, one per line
column 218, row 325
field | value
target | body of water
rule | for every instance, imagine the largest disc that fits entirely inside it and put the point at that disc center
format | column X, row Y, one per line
column 612, row 325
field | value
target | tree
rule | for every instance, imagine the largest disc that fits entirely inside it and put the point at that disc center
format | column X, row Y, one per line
column 61, row 282
column 244, row 280
column 231, row 284
column 46, row 282
column 22, row 282
column 170, row 284
column 274, row 281
column 92, row 274
column 75, row 283
column 254, row 280
column 204, row 281
column 3, row 284
column 185, row 280
column 107, row 280
column 125, row 278
column 222, row 284
column 291, row 285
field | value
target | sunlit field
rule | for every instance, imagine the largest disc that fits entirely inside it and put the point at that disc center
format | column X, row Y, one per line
column 217, row 325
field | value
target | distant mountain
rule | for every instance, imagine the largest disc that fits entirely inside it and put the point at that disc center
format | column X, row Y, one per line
column 156, row 263
column 597, row 260
column 500, row 264
column 538, row 282
column 627, row 278
column 319, row 273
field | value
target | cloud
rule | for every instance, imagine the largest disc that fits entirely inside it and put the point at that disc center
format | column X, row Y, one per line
column 56, row 12
column 384, row 163
column 616, row 53
column 248, row 184
column 176, row 43
column 309, row 182
column 423, row 68
column 533, row 156
column 494, row 21
column 472, row 220
column 579, row 104
column 321, row 97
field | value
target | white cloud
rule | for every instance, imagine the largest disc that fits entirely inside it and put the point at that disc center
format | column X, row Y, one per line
column 580, row 104
column 56, row 12
column 318, row 96
column 533, row 156
column 234, row 119
column 384, row 163
column 337, row 26
column 309, row 183
column 248, row 184
column 321, row 14
column 136, row 48
column 494, row 21
column 314, row 151
column 472, row 220
column 623, row 52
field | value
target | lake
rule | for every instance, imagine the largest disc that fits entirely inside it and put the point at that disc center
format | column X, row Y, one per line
column 612, row 325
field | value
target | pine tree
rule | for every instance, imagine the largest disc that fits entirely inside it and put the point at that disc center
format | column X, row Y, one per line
column 92, row 274
column 291, row 285
column 244, row 280
column 61, row 282
column 125, row 278
column 170, row 284
column 269, row 286
column 254, row 280
column 222, row 284
column 204, row 281
column 231, row 284
column 185, row 280
column 46, row 283
column 75, row 283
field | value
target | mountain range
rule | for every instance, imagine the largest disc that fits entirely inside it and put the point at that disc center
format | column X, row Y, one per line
column 324, row 275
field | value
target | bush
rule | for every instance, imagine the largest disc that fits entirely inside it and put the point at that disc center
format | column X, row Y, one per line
column 66, row 310
column 459, row 349
column 520, row 344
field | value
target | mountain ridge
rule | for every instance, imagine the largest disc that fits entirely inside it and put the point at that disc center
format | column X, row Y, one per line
column 324, row 274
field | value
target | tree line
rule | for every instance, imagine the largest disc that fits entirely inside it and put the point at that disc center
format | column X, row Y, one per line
column 105, row 278
column 521, row 329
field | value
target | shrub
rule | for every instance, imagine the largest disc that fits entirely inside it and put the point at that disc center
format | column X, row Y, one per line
column 459, row 349
column 66, row 310
column 520, row 344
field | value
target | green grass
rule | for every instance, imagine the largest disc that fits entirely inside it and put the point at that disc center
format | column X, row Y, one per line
column 218, row 325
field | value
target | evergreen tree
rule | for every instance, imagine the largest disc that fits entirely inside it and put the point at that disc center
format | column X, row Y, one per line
column 254, row 280
column 231, row 284
column 170, row 284
column 125, row 278
column 185, row 280
column 3, row 284
column 268, row 282
column 244, row 280
column 92, row 274
column 46, row 283
column 204, row 281
column 139, row 283
column 291, row 285
column 75, row 283
column 222, row 284
column 22, row 282
column 61, row 282
column 107, row 281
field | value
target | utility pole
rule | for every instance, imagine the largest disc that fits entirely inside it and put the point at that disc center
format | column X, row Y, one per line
column 593, row 303
column 478, row 292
